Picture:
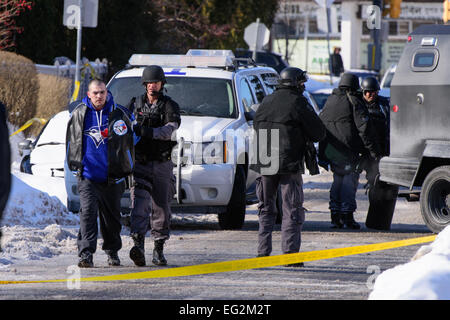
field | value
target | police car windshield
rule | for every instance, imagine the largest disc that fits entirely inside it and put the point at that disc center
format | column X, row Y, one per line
column 196, row 96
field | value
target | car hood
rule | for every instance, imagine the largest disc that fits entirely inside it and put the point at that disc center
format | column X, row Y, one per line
column 202, row 129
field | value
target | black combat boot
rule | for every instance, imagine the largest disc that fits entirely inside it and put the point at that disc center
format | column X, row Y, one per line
column 137, row 253
column 349, row 221
column 158, row 256
column 336, row 220
column 113, row 258
column 86, row 259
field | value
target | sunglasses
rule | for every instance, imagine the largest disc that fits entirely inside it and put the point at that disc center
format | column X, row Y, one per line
column 370, row 91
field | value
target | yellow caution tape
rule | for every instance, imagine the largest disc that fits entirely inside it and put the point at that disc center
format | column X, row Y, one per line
column 29, row 123
column 245, row 264
column 76, row 91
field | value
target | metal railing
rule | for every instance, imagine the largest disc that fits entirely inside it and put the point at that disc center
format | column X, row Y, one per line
column 89, row 70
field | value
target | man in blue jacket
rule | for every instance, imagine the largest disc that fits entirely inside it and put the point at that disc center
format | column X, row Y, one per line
column 100, row 149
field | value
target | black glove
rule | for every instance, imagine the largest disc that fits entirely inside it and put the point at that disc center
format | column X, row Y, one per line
column 145, row 132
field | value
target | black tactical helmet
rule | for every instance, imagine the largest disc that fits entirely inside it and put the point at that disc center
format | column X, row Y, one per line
column 370, row 84
column 291, row 77
column 153, row 74
column 349, row 80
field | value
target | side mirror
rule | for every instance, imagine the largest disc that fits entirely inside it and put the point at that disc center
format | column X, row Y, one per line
column 25, row 147
column 249, row 115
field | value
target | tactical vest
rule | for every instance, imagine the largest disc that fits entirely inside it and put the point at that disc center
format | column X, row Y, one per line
column 154, row 117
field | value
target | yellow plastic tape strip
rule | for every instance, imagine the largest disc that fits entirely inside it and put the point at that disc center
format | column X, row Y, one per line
column 29, row 123
column 245, row 264
column 76, row 91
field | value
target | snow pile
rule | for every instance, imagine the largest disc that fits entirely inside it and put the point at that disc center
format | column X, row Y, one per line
column 426, row 277
column 28, row 206
column 36, row 223
column 25, row 243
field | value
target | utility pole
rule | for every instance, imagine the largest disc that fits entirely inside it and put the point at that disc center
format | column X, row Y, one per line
column 375, row 32
column 78, row 54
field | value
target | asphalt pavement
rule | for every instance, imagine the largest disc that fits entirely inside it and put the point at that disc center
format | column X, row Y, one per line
column 197, row 240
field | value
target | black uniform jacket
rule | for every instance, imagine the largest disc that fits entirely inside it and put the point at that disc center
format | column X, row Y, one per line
column 5, row 160
column 379, row 116
column 349, row 130
column 287, row 111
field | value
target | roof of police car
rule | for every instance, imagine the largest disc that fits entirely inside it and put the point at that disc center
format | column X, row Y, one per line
column 203, row 72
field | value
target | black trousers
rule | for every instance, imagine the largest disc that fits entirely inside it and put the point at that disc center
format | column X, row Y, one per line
column 99, row 200
column 154, row 187
column 292, row 208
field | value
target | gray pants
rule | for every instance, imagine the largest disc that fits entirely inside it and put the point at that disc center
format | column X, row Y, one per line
column 152, row 190
column 292, row 207
column 99, row 200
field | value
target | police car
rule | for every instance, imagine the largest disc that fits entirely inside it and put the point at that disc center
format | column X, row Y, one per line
column 217, row 94
column 419, row 137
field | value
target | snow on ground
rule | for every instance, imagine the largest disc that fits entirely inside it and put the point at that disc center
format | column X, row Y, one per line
column 36, row 225
column 426, row 277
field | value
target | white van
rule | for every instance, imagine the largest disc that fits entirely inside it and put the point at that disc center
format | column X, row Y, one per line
column 217, row 94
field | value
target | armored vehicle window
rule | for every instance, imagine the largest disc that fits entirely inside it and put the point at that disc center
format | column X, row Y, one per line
column 425, row 60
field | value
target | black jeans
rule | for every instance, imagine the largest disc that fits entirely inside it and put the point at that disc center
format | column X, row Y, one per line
column 343, row 192
column 99, row 200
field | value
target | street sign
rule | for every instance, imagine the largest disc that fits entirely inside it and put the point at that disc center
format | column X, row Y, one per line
column 256, row 35
column 72, row 12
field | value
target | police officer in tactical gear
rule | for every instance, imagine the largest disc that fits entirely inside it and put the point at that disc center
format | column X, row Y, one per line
column 350, row 135
column 287, row 111
column 158, row 117
column 382, row 196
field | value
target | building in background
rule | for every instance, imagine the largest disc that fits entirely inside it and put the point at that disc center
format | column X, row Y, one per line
column 299, row 32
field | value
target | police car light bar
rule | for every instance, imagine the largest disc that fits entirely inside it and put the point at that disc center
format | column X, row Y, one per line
column 194, row 58
column 210, row 53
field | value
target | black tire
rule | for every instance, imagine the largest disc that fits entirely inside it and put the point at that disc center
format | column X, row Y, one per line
column 234, row 217
column 25, row 165
column 435, row 199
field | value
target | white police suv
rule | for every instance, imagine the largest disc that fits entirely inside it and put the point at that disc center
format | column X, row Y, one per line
column 217, row 94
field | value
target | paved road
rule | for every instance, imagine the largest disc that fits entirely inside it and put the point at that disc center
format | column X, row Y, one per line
column 196, row 240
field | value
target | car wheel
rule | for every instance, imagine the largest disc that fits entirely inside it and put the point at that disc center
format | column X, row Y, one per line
column 435, row 199
column 233, row 218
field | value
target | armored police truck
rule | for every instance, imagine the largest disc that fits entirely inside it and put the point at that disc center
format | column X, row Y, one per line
column 420, row 123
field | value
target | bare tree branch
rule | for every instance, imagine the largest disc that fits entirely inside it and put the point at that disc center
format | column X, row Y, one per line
column 9, row 10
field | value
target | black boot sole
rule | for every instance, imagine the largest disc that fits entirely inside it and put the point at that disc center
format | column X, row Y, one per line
column 137, row 257
column 85, row 264
column 158, row 261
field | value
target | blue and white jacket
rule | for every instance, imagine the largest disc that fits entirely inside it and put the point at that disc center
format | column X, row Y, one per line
column 100, row 144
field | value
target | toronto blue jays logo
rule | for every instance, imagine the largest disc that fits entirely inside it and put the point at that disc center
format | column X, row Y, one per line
column 98, row 137
column 120, row 128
